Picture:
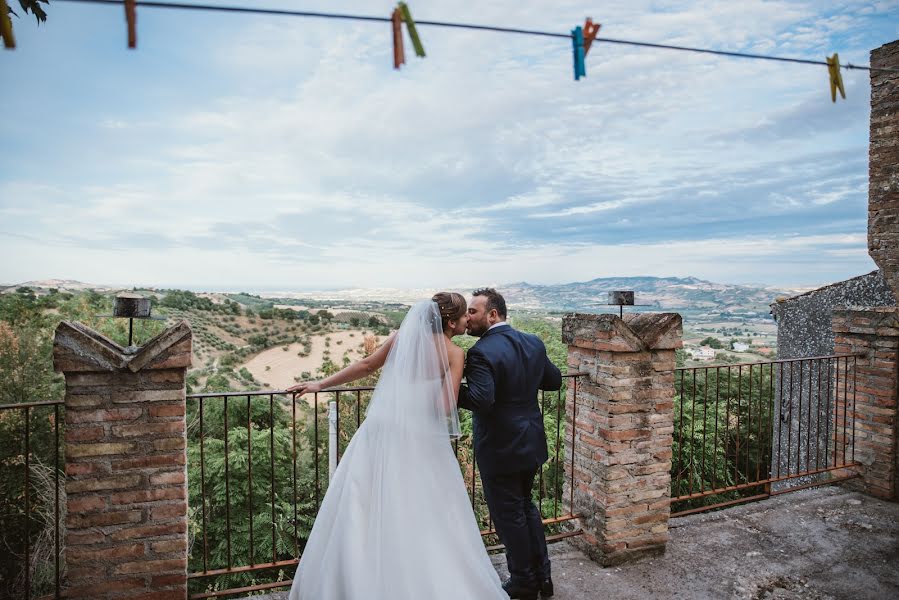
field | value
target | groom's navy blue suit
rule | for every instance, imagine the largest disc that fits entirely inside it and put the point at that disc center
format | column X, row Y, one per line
column 504, row 370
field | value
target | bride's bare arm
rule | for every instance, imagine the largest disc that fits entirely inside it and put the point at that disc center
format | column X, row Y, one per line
column 456, row 357
column 357, row 370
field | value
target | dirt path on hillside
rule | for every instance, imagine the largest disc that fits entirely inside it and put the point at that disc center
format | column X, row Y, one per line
column 276, row 367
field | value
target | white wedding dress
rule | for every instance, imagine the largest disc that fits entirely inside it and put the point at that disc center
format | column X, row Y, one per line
column 396, row 522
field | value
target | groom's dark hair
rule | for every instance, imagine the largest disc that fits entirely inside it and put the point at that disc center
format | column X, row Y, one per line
column 494, row 300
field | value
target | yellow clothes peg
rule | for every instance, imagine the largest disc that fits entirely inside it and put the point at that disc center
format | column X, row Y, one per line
column 9, row 40
column 836, row 79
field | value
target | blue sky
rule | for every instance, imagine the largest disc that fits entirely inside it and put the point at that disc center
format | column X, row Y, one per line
column 274, row 153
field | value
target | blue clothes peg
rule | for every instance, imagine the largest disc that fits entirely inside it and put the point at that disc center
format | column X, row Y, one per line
column 577, row 44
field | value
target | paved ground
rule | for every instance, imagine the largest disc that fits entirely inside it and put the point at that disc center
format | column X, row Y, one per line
column 821, row 544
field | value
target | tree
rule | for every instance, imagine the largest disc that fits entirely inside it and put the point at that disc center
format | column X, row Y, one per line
column 26, row 366
column 230, row 501
column 712, row 342
column 34, row 7
column 722, row 420
column 26, row 375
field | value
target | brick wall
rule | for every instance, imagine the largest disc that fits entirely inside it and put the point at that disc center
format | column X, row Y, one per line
column 883, row 165
column 126, row 480
column 871, row 398
column 623, row 424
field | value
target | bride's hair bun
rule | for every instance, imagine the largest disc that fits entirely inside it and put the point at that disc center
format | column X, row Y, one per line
column 451, row 306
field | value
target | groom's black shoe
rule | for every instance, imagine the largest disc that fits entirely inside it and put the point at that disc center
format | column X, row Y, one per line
column 546, row 588
column 520, row 592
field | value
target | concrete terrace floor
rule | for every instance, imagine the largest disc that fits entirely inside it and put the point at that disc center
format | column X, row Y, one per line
column 823, row 544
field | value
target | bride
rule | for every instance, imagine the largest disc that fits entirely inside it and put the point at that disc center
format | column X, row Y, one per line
column 396, row 522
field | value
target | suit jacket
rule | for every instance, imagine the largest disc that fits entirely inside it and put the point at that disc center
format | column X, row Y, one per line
column 504, row 370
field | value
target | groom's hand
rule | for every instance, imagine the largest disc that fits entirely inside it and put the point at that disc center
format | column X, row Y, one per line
column 478, row 393
column 307, row 387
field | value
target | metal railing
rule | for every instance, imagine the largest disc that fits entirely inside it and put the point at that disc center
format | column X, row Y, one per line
column 31, row 563
column 257, row 468
column 258, row 465
column 749, row 431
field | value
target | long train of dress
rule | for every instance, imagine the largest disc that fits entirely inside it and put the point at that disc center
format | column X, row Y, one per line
column 396, row 524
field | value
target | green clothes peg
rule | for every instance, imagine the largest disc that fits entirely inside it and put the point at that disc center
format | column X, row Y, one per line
column 413, row 34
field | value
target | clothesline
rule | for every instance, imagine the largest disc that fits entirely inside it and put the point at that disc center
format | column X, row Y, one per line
column 832, row 63
column 469, row 26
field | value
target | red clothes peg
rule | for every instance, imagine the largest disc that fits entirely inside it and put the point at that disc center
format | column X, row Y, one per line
column 590, row 31
column 131, row 18
column 399, row 56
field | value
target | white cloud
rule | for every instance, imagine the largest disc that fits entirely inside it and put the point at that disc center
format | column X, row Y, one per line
column 298, row 153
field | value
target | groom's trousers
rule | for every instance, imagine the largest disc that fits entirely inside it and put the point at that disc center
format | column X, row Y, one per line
column 519, row 524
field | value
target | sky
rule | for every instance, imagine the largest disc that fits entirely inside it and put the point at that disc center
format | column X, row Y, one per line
column 271, row 153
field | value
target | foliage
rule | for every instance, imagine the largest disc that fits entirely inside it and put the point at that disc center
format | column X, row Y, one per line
column 26, row 367
column 41, row 424
column 184, row 300
column 715, row 445
column 722, row 420
column 247, row 488
column 34, row 7
column 712, row 342
column 28, row 320
column 395, row 317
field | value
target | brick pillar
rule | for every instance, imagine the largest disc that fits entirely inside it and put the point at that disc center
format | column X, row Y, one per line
column 126, row 479
column 883, row 165
column 872, row 400
column 624, row 424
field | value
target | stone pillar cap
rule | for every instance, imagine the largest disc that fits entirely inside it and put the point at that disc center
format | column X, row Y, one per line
column 77, row 347
column 635, row 333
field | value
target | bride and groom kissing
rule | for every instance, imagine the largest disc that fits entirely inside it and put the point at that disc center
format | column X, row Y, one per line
column 396, row 522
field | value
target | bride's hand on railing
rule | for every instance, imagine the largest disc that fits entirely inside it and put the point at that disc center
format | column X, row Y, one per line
column 306, row 387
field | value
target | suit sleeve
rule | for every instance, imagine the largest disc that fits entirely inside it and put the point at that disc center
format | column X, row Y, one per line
column 477, row 394
column 552, row 377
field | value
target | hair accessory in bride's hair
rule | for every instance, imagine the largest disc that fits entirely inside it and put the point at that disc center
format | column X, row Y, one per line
column 450, row 305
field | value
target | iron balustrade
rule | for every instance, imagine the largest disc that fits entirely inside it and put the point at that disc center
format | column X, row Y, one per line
column 749, row 431
column 742, row 432
column 279, row 440
column 30, row 522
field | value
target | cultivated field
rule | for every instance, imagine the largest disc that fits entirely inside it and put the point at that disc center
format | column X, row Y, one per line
column 281, row 367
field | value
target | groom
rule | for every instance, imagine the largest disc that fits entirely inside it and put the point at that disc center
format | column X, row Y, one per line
column 504, row 370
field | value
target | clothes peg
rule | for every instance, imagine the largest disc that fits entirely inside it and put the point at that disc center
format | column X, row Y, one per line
column 131, row 18
column 399, row 56
column 836, row 79
column 577, row 44
column 590, row 31
column 9, row 40
column 410, row 27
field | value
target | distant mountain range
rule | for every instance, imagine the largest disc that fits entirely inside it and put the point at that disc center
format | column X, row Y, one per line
column 682, row 294
column 669, row 293
column 63, row 285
